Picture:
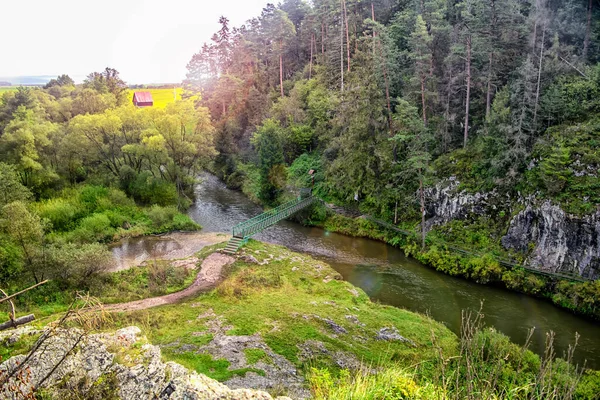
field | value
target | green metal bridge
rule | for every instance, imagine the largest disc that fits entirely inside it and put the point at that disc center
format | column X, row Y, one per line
column 243, row 231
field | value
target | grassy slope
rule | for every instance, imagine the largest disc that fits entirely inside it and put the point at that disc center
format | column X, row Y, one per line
column 279, row 300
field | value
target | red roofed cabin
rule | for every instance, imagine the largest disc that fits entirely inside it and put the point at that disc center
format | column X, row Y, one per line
column 142, row 99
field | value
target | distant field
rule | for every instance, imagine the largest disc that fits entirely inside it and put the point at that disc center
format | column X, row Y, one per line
column 161, row 97
column 4, row 89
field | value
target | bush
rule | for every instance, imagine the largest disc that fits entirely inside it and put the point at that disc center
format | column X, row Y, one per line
column 162, row 276
column 77, row 265
column 95, row 228
column 10, row 260
column 150, row 190
column 62, row 213
column 90, row 196
column 161, row 217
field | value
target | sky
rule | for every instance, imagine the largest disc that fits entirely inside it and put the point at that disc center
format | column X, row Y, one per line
column 147, row 41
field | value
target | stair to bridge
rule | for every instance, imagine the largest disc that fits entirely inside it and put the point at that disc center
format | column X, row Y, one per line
column 233, row 245
column 243, row 231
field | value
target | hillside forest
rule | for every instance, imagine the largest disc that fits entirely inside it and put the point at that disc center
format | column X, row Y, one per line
column 383, row 99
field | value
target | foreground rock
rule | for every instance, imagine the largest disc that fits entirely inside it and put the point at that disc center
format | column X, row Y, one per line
column 118, row 365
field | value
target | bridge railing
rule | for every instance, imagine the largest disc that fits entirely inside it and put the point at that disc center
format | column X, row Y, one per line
column 270, row 217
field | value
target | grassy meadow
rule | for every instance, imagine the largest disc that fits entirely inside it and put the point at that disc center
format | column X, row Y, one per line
column 161, row 97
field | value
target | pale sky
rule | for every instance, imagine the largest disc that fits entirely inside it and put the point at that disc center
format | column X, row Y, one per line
column 147, row 41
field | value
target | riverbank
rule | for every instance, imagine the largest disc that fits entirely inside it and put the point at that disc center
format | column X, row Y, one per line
column 286, row 323
column 581, row 298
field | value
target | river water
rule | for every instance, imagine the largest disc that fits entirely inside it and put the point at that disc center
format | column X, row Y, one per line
column 386, row 275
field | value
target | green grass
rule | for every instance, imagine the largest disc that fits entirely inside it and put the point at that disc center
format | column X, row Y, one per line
column 205, row 364
column 21, row 346
column 161, row 97
column 286, row 302
column 255, row 355
column 156, row 278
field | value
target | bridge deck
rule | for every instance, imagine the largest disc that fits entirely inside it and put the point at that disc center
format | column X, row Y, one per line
column 243, row 231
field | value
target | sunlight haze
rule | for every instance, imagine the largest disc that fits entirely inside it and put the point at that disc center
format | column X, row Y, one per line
column 147, row 41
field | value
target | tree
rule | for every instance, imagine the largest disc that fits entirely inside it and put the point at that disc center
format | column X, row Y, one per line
column 270, row 161
column 24, row 141
column 411, row 134
column 25, row 229
column 420, row 43
column 11, row 188
column 107, row 81
column 61, row 80
column 10, row 103
column 281, row 30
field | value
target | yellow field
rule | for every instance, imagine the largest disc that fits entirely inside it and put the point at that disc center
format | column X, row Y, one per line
column 161, row 97
column 4, row 89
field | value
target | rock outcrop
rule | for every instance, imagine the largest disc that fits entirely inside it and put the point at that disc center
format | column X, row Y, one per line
column 556, row 241
column 119, row 365
column 553, row 240
column 445, row 203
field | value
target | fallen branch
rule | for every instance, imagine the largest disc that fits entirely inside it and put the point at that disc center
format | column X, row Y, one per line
column 22, row 291
column 16, row 322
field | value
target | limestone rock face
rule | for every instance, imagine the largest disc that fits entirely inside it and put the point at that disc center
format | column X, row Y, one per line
column 68, row 360
column 445, row 203
column 553, row 240
column 561, row 242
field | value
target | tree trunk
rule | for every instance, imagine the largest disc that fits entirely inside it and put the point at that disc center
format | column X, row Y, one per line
column 322, row 38
column 387, row 92
column 17, row 322
column 423, row 99
column 586, row 41
column 373, row 16
column 488, row 102
column 396, row 213
column 537, row 90
column 422, row 196
column 467, row 103
column 312, row 39
column 347, row 34
column 281, row 72
column 342, row 46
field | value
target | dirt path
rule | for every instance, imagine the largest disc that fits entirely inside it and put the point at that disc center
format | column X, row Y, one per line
column 209, row 275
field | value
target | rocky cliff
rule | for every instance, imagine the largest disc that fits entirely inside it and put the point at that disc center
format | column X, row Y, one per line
column 121, row 365
column 551, row 239
column 556, row 241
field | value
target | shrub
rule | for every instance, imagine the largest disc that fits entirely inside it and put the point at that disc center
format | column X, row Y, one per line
column 95, row 228
column 90, row 195
column 62, row 213
column 77, row 265
column 150, row 190
column 484, row 269
column 161, row 217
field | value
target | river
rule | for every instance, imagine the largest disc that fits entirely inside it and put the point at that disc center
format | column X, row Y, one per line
column 385, row 274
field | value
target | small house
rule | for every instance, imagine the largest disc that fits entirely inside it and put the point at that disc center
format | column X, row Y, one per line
column 142, row 99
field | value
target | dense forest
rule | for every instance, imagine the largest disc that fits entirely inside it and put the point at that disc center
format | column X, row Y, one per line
column 375, row 92
column 392, row 101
